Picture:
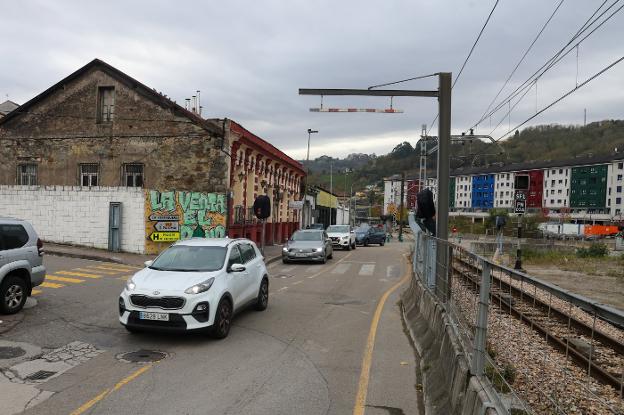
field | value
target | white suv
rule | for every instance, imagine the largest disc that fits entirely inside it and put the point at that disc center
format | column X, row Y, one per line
column 342, row 236
column 196, row 284
column 21, row 263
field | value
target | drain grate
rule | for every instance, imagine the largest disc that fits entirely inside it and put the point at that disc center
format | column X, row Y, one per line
column 143, row 356
column 11, row 352
column 40, row 375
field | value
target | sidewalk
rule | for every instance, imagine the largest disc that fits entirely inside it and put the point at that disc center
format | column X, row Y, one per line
column 272, row 253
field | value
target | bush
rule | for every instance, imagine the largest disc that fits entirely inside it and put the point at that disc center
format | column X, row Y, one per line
column 595, row 250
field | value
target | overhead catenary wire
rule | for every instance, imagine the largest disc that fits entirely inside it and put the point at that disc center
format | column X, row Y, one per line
column 404, row 80
column 570, row 92
column 526, row 52
column 556, row 58
column 467, row 57
column 526, row 86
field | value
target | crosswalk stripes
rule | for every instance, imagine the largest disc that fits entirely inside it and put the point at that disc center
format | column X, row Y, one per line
column 97, row 271
column 63, row 279
column 78, row 274
column 341, row 268
column 46, row 284
column 367, row 269
column 112, row 268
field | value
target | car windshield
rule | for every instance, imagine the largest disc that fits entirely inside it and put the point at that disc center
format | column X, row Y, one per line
column 307, row 236
column 190, row 258
column 338, row 228
column 361, row 231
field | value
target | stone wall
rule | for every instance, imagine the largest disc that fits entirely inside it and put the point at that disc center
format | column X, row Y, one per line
column 77, row 215
column 61, row 130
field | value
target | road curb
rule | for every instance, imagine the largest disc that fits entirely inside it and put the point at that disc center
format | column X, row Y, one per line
column 87, row 256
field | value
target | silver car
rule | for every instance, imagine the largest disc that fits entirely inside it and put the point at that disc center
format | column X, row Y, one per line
column 21, row 263
column 308, row 245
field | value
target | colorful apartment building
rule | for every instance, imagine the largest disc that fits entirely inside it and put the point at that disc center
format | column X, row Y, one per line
column 483, row 191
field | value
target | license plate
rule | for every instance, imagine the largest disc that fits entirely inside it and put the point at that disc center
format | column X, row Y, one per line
column 300, row 254
column 143, row 315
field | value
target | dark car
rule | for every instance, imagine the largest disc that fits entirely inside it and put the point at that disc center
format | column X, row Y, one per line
column 370, row 236
column 317, row 226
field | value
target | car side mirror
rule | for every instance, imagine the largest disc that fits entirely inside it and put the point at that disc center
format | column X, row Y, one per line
column 237, row 268
column 148, row 263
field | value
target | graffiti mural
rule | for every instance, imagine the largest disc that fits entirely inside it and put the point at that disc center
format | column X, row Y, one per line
column 172, row 215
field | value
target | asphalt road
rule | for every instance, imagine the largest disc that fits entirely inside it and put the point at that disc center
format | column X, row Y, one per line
column 310, row 352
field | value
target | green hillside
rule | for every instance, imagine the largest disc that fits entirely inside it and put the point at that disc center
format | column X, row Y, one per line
column 543, row 142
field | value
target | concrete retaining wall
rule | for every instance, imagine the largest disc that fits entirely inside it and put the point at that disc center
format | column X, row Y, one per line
column 77, row 215
column 448, row 386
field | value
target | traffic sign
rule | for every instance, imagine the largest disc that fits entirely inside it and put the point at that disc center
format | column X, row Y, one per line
column 167, row 226
column 520, row 206
column 164, row 218
column 165, row 236
column 520, row 195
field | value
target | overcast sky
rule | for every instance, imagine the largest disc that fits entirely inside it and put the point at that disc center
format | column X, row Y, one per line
column 249, row 58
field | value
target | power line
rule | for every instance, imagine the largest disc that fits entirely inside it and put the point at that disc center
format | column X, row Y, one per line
column 523, row 57
column 468, row 57
column 530, row 82
column 556, row 58
column 404, row 80
column 570, row 92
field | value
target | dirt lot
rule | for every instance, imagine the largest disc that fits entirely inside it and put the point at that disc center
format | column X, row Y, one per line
column 601, row 280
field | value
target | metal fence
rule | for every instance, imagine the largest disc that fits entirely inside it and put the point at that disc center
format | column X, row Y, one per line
column 544, row 349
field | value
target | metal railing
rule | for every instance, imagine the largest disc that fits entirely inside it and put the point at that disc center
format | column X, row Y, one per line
column 533, row 341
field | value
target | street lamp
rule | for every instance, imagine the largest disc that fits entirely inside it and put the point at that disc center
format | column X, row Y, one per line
column 306, row 217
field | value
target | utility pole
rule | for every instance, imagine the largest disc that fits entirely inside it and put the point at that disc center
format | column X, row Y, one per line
column 331, row 190
column 401, row 207
column 444, row 147
column 307, row 209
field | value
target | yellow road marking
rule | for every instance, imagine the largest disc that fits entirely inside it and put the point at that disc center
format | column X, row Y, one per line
column 99, row 271
column 125, row 277
column 113, row 268
column 87, row 405
column 63, row 279
column 360, row 399
column 51, row 285
column 78, row 274
column 35, row 292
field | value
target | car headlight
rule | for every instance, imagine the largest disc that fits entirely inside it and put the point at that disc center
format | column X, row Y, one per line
column 285, row 249
column 344, row 238
column 130, row 285
column 201, row 287
column 319, row 249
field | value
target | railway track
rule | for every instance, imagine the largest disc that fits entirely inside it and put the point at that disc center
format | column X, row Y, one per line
column 597, row 352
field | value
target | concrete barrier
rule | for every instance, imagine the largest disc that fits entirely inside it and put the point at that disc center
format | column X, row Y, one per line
column 448, row 386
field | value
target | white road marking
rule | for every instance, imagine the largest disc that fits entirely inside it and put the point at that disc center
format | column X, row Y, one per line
column 282, row 289
column 392, row 271
column 286, row 269
column 341, row 268
column 297, row 282
column 367, row 269
column 313, row 276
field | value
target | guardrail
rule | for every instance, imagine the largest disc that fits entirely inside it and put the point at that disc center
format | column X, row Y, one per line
column 533, row 341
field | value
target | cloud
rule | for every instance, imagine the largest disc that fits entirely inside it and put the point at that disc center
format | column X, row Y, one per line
column 250, row 58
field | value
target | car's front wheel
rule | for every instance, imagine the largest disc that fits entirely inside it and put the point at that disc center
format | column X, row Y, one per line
column 13, row 294
column 263, row 295
column 223, row 319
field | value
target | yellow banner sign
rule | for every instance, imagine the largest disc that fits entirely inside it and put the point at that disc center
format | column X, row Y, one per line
column 165, row 236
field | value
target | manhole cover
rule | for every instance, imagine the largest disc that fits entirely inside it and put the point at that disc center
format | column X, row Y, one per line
column 40, row 375
column 142, row 356
column 11, row 352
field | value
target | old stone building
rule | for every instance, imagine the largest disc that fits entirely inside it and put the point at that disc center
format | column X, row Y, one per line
column 100, row 127
column 85, row 143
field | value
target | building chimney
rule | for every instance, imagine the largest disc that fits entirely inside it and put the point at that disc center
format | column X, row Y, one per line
column 194, row 108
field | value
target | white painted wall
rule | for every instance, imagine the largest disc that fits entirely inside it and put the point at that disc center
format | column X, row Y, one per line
column 615, row 189
column 463, row 192
column 504, row 190
column 342, row 215
column 557, row 187
column 392, row 193
column 77, row 215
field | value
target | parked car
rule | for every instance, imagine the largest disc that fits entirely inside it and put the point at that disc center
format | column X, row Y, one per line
column 308, row 245
column 21, row 263
column 342, row 236
column 196, row 284
column 317, row 226
column 367, row 236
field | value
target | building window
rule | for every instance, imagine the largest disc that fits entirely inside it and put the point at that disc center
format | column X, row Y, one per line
column 133, row 175
column 106, row 104
column 618, row 189
column 27, row 174
column 620, row 166
column 618, row 200
column 619, row 177
column 89, row 174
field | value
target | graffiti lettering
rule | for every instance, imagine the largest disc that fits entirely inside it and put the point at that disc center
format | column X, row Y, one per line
column 200, row 214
